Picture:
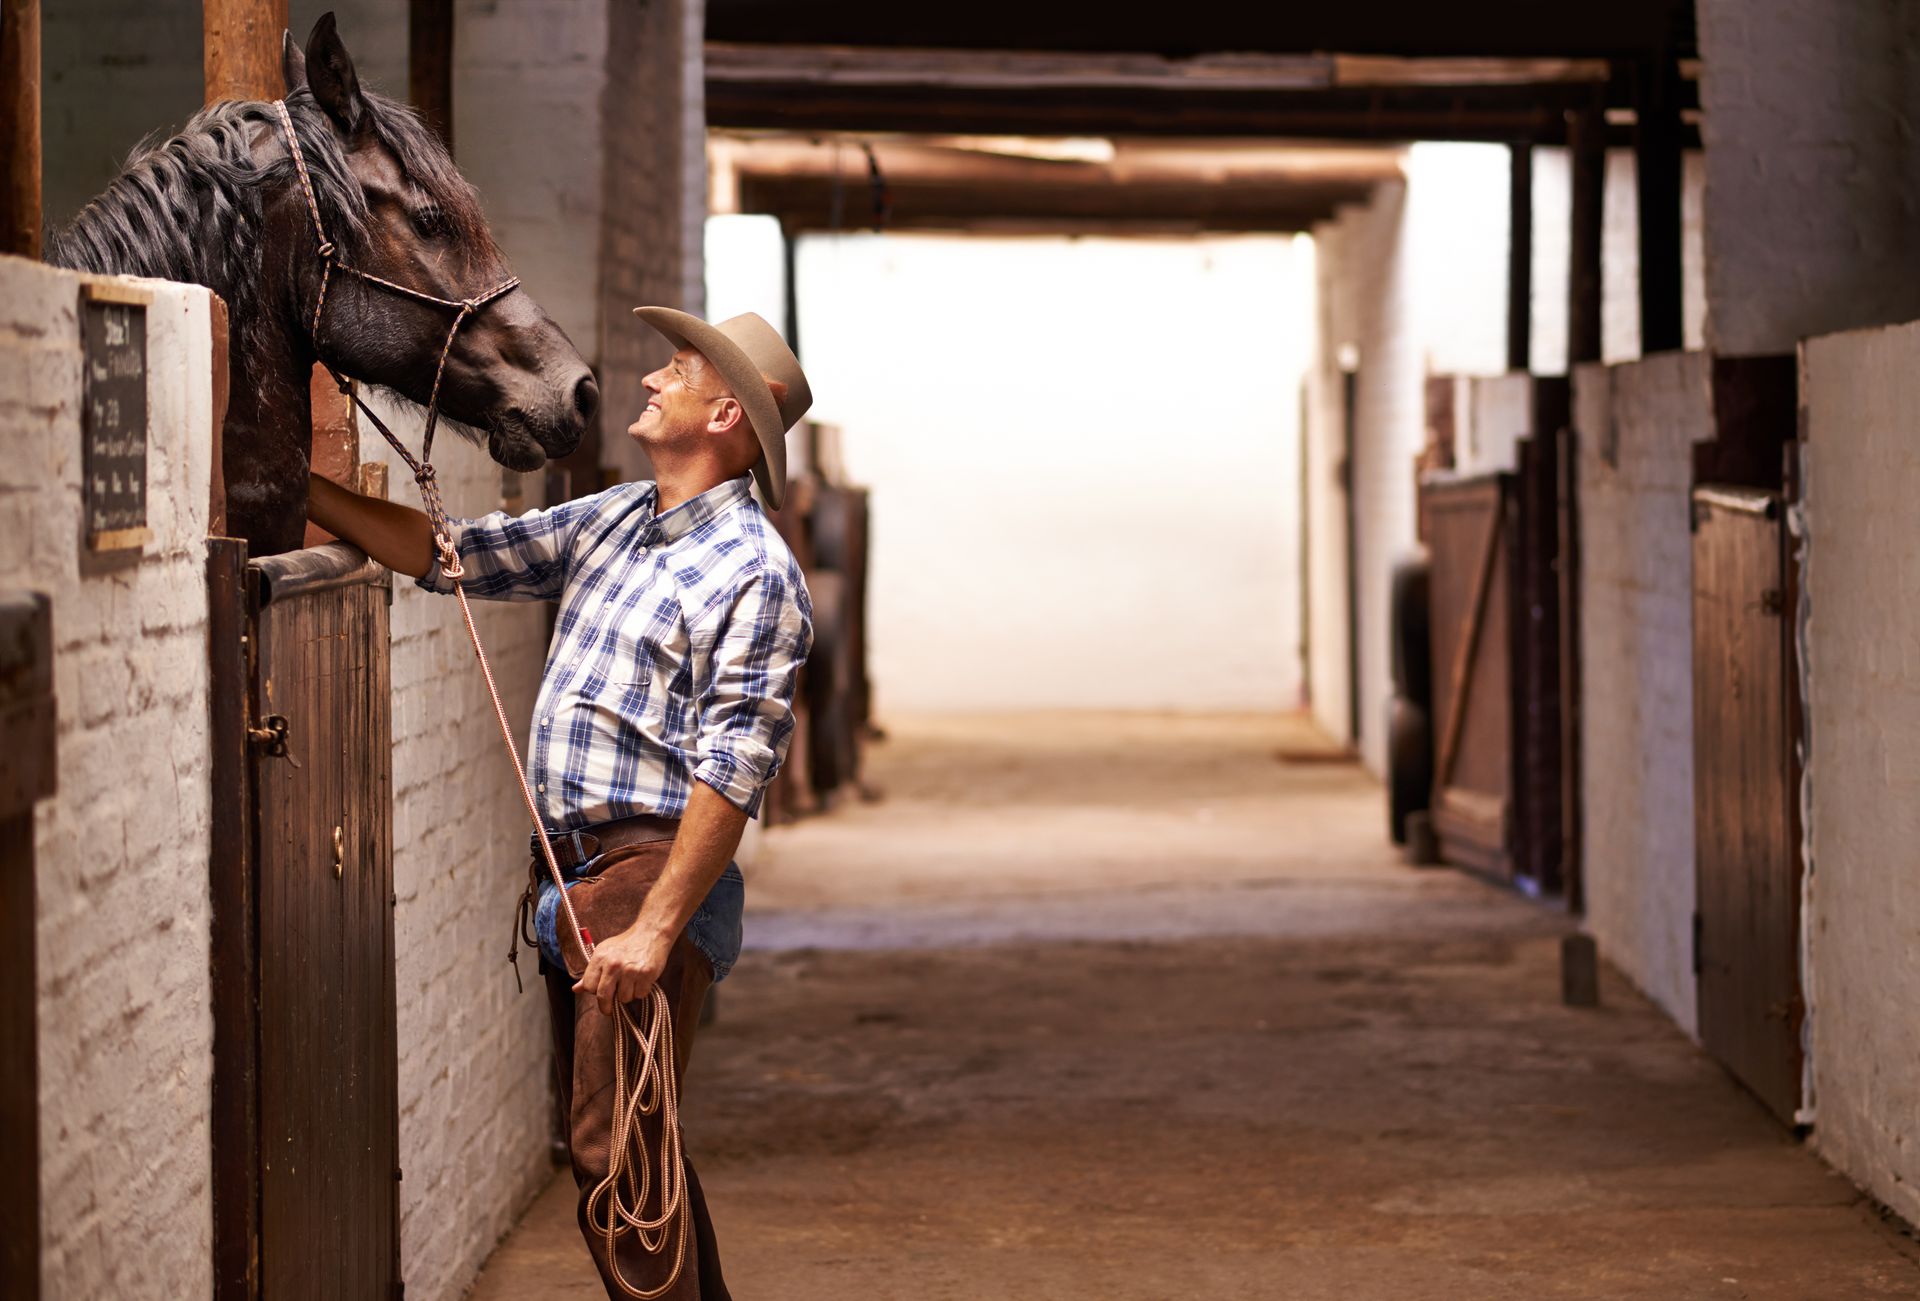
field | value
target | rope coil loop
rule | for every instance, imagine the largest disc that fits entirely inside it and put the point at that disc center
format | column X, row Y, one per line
column 641, row 1044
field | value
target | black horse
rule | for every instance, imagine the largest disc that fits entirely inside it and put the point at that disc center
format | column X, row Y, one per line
column 220, row 205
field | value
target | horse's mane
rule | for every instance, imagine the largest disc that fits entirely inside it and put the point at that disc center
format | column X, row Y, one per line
column 189, row 208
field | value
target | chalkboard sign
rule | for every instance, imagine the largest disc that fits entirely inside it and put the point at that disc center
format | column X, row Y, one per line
column 113, row 421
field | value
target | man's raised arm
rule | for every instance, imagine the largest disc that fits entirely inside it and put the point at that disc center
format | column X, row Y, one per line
column 399, row 537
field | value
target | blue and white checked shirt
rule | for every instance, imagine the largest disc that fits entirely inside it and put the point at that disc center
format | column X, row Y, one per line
column 674, row 660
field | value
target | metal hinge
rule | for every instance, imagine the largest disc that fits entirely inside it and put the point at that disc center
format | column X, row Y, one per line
column 1696, row 942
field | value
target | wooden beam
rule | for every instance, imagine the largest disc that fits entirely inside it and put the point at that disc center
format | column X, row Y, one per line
column 1499, row 114
column 1657, row 156
column 1587, row 148
column 430, row 63
column 1404, row 28
column 1519, row 257
column 20, row 126
column 242, row 48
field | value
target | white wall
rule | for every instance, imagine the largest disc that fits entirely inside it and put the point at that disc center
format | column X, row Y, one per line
column 474, row 1077
column 1636, row 426
column 1412, row 283
column 1862, row 646
column 126, row 1020
column 1811, row 186
column 1083, row 462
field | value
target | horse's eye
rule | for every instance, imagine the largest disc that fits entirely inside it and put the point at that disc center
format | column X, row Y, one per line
column 430, row 223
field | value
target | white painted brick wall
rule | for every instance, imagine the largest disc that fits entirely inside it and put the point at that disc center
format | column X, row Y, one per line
column 655, row 208
column 1812, row 196
column 1636, row 664
column 126, row 1022
column 1414, row 282
column 1862, row 926
column 475, row 1083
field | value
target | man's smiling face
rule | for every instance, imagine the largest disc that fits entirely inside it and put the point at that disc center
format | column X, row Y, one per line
column 681, row 397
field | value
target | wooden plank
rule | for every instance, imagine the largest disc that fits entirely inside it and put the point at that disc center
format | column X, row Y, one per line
column 1658, row 144
column 1471, row 540
column 27, row 774
column 241, row 48
column 20, row 127
column 323, row 864
column 1747, row 887
column 1476, row 29
column 1519, row 256
column 430, row 64
column 1472, row 624
column 216, row 433
column 19, row 1071
column 236, row 1028
column 1571, row 806
column 1587, row 149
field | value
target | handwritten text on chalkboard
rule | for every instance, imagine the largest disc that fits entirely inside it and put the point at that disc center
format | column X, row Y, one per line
column 113, row 459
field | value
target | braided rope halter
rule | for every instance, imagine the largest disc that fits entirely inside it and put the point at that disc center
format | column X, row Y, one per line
column 617, row 1205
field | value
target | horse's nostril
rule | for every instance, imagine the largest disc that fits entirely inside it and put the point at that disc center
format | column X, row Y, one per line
column 586, row 397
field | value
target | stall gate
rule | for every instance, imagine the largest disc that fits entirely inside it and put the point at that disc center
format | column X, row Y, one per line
column 1746, row 930
column 305, row 1091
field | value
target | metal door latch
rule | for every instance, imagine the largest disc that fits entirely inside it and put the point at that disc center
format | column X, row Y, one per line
column 271, row 736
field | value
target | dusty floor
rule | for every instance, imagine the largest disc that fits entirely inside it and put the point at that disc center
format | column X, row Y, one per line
column 1097, row 1007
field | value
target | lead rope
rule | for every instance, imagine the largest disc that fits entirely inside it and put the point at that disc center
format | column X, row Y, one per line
column 617, row 1205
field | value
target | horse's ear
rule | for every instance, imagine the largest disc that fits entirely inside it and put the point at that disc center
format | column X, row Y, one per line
column 293, row 63
column 331, row 76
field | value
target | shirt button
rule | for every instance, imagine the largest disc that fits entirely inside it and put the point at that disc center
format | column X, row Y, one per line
column 546, row 722
column 542, row 788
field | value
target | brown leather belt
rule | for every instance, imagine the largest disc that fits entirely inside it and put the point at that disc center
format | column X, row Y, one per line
column 572, row 848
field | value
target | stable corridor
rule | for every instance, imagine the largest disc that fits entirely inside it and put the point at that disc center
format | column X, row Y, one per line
column 1122, row 1006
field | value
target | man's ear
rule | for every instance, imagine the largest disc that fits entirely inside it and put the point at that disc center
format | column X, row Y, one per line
column 336, row 86
column 293, row 63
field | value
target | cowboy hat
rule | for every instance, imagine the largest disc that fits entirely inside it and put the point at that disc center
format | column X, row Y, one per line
column 747, row 352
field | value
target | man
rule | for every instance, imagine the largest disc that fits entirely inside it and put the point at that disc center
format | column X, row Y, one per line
column 665, row 708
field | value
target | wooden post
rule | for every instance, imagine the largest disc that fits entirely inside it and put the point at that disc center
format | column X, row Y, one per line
column 1657, row 146
column 242, row 48
column 27, row 774
column 430, row 63
column 1587, row 149
column 20, row 126
column 1520, row 257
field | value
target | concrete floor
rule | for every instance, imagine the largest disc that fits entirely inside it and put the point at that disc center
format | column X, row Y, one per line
column 1126, row 1007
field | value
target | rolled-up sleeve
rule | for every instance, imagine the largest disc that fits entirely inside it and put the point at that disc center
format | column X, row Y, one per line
column 513, row 557
column 746, row 712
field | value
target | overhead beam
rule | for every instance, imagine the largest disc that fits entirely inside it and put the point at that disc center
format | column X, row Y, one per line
column 974, row 92
column 818, row 203
column 1405, row 28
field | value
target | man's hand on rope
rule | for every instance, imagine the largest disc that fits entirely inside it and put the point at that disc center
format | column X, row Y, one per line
column 625, row 967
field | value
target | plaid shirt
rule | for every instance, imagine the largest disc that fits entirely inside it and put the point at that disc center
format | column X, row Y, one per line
column 678, row 645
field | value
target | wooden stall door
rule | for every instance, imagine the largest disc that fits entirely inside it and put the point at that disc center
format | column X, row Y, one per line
column 1746, row 934
column 323, row 868
column 1470, row 525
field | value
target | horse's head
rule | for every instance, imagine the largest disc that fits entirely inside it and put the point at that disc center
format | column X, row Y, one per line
column 511, row 372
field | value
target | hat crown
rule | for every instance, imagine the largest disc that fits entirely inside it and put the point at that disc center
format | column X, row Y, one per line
column 772, row 358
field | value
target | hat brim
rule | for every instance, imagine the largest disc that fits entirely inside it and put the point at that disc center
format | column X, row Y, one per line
column 684, row 330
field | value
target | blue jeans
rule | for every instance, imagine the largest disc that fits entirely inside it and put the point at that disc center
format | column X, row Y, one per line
column 714, row 930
